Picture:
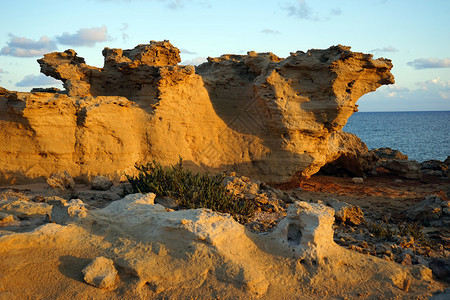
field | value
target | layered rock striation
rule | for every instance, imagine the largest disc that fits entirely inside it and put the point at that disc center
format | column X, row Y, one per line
column 257, row 114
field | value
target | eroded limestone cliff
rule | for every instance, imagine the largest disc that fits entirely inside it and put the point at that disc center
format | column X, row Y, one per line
column 256, row 114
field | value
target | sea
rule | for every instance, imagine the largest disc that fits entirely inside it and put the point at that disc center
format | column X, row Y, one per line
column 422, row 135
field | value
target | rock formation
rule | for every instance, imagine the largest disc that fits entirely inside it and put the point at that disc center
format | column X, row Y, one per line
column 159, row 253
column 257, row 114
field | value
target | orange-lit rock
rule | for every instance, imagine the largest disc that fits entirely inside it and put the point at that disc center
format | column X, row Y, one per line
column 256, row 114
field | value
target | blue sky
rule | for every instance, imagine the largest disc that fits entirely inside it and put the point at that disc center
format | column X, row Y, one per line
column 414, row 34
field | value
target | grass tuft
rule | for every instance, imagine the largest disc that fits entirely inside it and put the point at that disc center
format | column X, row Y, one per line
column 200, row 190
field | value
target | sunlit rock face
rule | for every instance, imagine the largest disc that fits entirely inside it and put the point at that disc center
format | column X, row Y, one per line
column 257, row 114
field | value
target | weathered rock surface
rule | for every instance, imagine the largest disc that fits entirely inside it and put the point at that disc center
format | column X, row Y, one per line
column 388, row 153
column 257, row 114
column 101, row 183
column 346, row 213
column 61, row 181
column 100, row 272
column 348, row 155
column 199, row 253
column 432, row 210
column 64, row 211
column 434, row 168
column 399, row 167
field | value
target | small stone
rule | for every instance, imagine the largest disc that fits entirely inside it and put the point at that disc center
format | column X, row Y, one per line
column 347, row 213
column 6, row 219
column 421, row 272
column 63, row 211
column 61, row 181
column 101, row 183
column 406, row 241
column 358, row 180
column 100, row 272
column 406, row 260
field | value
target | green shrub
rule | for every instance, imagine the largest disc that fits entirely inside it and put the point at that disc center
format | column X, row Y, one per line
column 190, row 190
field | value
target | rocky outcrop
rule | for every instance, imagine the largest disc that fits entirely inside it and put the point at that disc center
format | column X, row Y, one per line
column 153, row 253
column 258, row 114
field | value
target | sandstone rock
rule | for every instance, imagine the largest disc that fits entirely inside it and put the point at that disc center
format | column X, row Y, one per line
column 402, row 168
column 101, row 183
column 64, row 211
column 307, row 232
column 257, row 114
column 346, row 213
column 6, row 219
column 202, row 254
column 61, row 181
column 19, row 205
column 100, row 272
column 434, row 168
column 348, row 155
column 358, row 180
column 430, row 209
column 388, row 153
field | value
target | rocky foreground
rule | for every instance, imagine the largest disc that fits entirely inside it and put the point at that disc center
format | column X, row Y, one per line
column 382, row 236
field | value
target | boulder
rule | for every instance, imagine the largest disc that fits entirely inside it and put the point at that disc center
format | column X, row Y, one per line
column 64, row 211
column 61, row 181
column 434, row 168
column 18, row 204
column 388, row 153
column 101, row 183
column 100, row 272
column 345, row 212
column 307, row 232
column 6, row 219
column 431, row 210
column 403, row 168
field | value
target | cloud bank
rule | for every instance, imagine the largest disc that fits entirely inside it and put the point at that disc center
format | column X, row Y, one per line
column 270, row 31
column 302, row 10
column 87, row 37
column 384, row 49
column 36, row 81
column 24, row 47
column 429, row 63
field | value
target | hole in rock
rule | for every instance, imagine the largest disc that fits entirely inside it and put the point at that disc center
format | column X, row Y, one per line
column 294, row 234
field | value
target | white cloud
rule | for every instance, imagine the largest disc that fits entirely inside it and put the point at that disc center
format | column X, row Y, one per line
column 444, row 94
column 3, row 71
column 335, row 11
column 270, row 31
column 84, row 37
column 302, row 10
column 433, row 83
column 429, row 63
column 37, row 81
column 195, row 61
column 25, row 47
column 185, row 51
column 384, row 49
column 124, row 30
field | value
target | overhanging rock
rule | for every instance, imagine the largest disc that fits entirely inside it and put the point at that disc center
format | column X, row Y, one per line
column 257, row 114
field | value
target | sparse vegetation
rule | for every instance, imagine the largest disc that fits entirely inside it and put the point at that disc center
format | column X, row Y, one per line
column 201, row 190
column 389, row 231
